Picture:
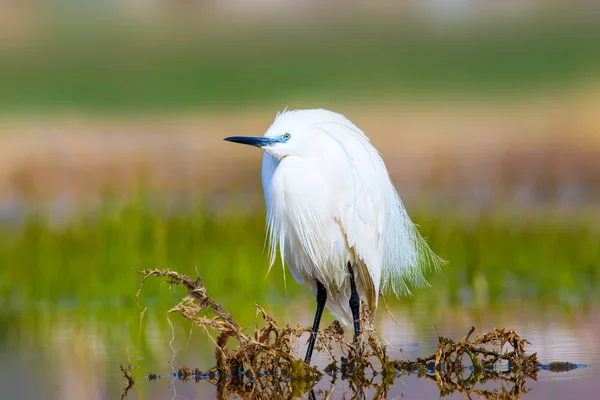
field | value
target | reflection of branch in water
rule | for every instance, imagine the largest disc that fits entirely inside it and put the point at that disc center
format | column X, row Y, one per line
column 509, row 385
column 263, row 365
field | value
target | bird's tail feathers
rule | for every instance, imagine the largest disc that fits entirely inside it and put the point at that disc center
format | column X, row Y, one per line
column 407, row 256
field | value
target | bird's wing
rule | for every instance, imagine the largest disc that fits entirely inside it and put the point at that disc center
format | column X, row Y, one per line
column 374, row 219
column 353, row 172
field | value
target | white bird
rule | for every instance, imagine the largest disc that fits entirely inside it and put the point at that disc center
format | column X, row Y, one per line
column 335, row 215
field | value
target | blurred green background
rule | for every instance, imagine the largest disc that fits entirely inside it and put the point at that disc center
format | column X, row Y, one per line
column 112, row 116
column 96, row 61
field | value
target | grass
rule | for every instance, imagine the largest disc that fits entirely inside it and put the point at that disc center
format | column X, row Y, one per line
column 89, row 262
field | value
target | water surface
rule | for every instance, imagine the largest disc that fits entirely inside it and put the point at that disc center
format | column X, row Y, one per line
column 64, row 356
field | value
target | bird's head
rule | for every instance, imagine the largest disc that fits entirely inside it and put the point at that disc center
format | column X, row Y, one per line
column 294, row 133
column 278, row 145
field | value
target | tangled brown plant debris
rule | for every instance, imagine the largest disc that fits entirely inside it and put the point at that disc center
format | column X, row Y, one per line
column 263, row 365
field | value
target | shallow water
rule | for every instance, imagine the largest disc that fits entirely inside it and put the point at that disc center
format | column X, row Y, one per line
column 61, row 356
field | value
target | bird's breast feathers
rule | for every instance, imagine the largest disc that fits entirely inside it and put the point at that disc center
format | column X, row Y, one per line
column 317, row 233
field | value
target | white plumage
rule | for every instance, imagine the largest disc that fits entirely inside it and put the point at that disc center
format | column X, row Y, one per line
column 330, row 201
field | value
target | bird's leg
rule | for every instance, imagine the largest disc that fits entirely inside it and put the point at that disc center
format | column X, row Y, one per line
column 321, row 299
column 354, row 303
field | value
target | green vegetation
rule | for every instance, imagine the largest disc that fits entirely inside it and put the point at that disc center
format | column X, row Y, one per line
column 89, row 262
column 110, row 67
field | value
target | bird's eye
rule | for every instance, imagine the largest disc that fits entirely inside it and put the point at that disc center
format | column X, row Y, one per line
column 286, row 136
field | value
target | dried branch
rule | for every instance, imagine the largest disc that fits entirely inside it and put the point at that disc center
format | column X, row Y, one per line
column 263, row 365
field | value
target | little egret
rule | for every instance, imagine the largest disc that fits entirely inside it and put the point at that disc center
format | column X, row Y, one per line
column 335, row 215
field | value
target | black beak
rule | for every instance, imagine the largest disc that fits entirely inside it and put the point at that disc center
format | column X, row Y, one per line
column 252, row 141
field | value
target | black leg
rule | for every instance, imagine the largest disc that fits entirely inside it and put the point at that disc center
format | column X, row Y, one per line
column 321, row 299
column 354, row 303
